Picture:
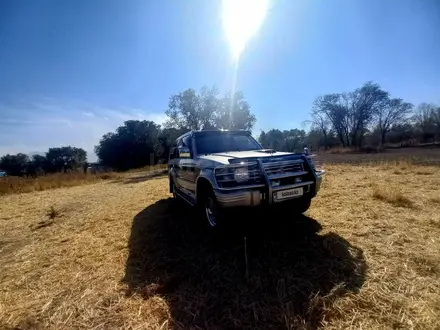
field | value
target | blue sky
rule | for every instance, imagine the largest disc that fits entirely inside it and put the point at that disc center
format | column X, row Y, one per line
column 73, row 70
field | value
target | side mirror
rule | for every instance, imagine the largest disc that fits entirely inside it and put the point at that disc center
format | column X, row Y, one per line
column 184, row 152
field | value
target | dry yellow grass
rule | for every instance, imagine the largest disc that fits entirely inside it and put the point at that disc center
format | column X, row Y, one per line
column 416, row 156
column 392, row 195
column 120, row 255
column 15, row 185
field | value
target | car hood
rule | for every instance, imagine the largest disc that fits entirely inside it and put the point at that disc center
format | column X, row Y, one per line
column 232, row 156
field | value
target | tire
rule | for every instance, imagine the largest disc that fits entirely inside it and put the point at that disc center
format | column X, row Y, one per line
column 210, row 210
column 173, row 190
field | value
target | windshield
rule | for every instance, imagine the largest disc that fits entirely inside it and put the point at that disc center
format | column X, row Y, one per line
column 223, row 142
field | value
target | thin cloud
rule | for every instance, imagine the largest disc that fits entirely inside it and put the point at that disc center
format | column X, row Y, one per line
column 37, row 126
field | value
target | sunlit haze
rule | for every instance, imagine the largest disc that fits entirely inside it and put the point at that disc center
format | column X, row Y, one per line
column 241, row 20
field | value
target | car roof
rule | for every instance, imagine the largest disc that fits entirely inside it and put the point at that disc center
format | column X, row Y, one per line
column 183, row 135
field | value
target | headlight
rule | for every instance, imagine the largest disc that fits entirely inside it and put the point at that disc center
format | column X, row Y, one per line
column 241, row 175
column 237, row 174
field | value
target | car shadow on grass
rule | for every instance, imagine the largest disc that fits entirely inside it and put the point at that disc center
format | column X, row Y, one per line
column 292, row 272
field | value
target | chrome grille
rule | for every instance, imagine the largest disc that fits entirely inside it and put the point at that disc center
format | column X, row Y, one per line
column 286, row 174
column 283, row 168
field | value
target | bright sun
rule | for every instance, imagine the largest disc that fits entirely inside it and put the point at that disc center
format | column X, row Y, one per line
column 241, row 20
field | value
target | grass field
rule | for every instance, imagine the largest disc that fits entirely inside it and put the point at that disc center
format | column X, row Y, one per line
column 120, row 254
column 16, row 184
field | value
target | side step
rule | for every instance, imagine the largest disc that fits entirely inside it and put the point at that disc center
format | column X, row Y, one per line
column 189, row 199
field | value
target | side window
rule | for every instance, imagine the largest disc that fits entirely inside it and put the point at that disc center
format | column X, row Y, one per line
column 184, row 147
column 174, row 152
column 187, row 142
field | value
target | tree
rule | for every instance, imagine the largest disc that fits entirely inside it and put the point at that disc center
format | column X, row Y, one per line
column 14, row 164
column 273, row 139
column 320, row 132
column 166, row 137
column 351, row 113
column 292, row 140
column 425, row 121
column 38, row 165
column 436, row 120
column 332, row 107
column 364, row 103
column 63, row 159
column 234, row 113
column 133, row 145
column 401, row 133
column 185, row 110
column 263, row 139
column 191, row 111
column 393, row 112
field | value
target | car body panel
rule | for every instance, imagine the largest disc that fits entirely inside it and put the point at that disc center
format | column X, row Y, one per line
column 224, row 157
column 186, row 175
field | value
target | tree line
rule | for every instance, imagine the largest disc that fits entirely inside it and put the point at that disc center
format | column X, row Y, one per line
column 366, row 116
column 62, row 159
column 370, row 114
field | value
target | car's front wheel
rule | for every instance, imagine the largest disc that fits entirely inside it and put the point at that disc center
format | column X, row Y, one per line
column 212, row 210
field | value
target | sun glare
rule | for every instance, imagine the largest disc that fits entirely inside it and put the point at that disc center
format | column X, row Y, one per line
column 241, row 20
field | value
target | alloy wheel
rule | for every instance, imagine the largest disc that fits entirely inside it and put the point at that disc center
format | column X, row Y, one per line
column 210, row 209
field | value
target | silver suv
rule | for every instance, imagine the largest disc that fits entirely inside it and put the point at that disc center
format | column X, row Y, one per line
column 221, row 170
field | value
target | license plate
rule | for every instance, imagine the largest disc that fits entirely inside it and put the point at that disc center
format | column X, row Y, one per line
column 289, row 193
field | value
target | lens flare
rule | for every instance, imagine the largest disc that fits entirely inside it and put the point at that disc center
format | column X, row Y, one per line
column 241, row 21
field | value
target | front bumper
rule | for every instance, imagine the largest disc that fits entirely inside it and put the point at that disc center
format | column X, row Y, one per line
column 239, row 198
column 256, row 197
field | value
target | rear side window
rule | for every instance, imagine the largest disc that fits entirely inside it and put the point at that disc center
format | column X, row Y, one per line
column 174, row 152
column 187, row 142
column 183, row 145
